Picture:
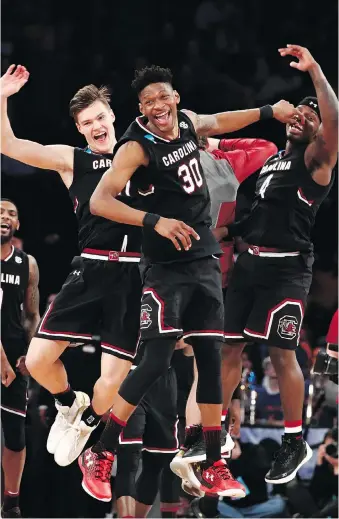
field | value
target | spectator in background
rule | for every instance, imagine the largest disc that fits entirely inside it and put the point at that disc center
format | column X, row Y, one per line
column 268, row 405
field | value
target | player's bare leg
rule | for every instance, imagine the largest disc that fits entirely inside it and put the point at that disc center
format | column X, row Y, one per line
column 294, row 451
column 127, row 507
column 13, row 465
column 113, row 372
column 46, row 368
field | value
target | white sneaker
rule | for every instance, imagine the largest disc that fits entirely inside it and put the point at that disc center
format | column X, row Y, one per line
column 73, row 443
column 65, row 418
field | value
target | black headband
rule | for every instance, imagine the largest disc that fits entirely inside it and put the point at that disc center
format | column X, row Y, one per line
column 312, row 102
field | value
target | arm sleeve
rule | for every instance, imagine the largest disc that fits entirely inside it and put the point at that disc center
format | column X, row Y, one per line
column 245, row 155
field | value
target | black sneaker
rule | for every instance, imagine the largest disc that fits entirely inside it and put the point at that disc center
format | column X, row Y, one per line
column 196, row 511
column 288, row 460
column 12, row 512
column 197, row 452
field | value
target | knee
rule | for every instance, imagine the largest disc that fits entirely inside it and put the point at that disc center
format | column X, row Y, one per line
column 33, row 362
column 231, row 352
column 283, row 360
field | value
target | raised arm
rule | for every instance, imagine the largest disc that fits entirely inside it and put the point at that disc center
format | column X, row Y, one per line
column 129, row 157
column 323, row 151
column 31, row 303
column 226, row 122
column 57, row 158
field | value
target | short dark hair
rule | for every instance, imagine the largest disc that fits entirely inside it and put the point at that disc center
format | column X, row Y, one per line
column 86, row 96
column 10, row 201
column 152, row 74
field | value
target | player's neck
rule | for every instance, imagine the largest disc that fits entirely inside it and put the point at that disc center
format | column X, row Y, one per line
column 106, row 152
column 170, row 136
column 6, row 249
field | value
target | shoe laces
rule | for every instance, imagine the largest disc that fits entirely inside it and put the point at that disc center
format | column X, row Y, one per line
column 285, row 452
column 103, row 468
column 223, row 472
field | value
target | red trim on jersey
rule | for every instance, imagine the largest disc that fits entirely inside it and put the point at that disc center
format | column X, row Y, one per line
column 245, row 155
column 9, row 255
column 108, row 253
column 42, row 329
column 304, row 198
column 332, row 335
column 114, row 348
column 20, row 412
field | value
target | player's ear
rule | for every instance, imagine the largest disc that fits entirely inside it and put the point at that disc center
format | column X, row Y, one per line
column 79, row 128
column 177, row 96
column 140, row 109
column 17, row 226
column 113, row 116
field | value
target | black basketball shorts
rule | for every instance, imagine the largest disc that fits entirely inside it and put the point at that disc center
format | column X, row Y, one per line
column 98, row 298
column 266, row 298
column 154, row 423
column 182, row 299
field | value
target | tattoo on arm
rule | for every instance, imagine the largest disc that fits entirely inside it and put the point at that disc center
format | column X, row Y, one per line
column 31, row 306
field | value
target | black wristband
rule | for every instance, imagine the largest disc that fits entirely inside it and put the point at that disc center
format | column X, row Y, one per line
column 150, row 220
column 237, row 393
column 266, row 112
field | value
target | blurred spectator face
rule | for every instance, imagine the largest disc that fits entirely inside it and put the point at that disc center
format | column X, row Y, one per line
column 9, row 221
column 299, row 132
column 158, row 102
column 246, row 363
column 269, row 370
column 96, row 124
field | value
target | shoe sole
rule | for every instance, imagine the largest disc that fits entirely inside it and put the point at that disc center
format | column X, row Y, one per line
column 88, row 491
column 202, row 457
column 192, row 491
column 185, row 472
column 291, row 476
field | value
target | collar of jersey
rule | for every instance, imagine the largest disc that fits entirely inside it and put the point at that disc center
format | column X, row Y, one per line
column 139, row 121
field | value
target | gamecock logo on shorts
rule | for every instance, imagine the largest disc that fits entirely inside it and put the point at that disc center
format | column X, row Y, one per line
column 288, row 327
column 145, row 318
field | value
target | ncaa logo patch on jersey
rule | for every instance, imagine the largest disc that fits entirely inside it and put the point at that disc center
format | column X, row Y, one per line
column 145, row 317
column 288, row 327
column 183, row 125
column 150, row 138
column 18, row 259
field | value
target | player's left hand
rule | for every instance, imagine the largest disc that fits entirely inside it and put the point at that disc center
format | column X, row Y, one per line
column 235, row 418
column 305, row 59
column 21, row 366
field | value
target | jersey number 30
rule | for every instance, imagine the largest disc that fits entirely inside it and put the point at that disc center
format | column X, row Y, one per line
column 190, row 176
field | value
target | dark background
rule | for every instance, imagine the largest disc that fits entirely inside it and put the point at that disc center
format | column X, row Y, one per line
column 223, row 55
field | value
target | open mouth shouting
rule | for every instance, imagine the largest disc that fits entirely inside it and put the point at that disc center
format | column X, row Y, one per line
column 5, row 228
column 163, row 118
column 100, row 137
column 296, row 128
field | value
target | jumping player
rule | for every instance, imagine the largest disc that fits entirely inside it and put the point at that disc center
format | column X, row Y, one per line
column 19, row 297
column 104, row 284
column 182, row 293
column 269, row 286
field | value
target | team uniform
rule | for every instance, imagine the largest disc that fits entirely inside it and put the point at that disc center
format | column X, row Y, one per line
column 101, row 295
column 270, row 282
column 189, row 302
column 14, row 283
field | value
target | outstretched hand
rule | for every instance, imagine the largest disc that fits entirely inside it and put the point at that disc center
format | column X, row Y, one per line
column 305, row 59
column 13, row 80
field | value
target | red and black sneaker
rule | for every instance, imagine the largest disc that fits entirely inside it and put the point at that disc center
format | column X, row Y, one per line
column 96, row 468
column 216, row 478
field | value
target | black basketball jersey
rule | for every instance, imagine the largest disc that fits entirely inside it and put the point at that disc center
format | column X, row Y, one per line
column 180, row 189
column 14, row 282
column 286, row 202
column 93, row 231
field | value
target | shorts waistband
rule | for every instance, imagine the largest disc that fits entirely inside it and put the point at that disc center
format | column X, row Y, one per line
column 270, row 252
column 111, row 255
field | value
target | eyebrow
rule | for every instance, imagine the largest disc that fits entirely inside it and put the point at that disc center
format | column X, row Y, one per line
column 89, row 120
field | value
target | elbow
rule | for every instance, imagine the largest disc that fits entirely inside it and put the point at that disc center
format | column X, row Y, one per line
column 94, row 205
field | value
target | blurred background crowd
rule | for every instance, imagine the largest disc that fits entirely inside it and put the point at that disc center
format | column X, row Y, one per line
column 223, row 55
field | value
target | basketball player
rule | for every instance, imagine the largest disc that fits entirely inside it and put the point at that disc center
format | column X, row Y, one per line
column 104, row 284
column 226, row 164
column 19, row 298
column 182, row 293
column 269, row 286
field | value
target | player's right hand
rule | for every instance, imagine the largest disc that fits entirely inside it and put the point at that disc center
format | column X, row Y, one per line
column 178, row 232
column 13, row 80
column 7, row 373
column 286, row 113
